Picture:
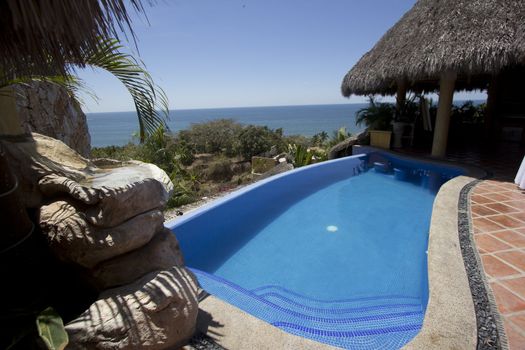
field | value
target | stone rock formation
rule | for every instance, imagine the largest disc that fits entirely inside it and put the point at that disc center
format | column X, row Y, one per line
column 75, row 240
column 150, row 313
column 48, row 109
column 162, row 252
column 261, row 165
column 105, row 219
column 344, row 148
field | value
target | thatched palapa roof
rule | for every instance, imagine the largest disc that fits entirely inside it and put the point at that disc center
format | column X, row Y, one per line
column 40, row 36
column 474, row 38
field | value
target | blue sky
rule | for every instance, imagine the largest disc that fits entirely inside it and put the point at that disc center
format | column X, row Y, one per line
column 229, row 53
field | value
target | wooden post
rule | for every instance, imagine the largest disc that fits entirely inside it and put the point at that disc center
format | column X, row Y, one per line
column 490, row 110
column 401, row 94
column 446, row 94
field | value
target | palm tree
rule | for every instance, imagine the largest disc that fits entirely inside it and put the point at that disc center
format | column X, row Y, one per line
column 151, row 102
column 323, row 136
column 376, row 116
column 315, row 140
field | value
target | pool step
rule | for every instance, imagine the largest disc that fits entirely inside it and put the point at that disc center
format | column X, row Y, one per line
column 295, row 301
column 351, row 322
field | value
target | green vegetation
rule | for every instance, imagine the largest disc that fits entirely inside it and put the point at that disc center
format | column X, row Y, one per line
column 51, row 329
column 301, row 155
column 468, row 113
column 151, row 103
column 376, row 116
column 215, row 156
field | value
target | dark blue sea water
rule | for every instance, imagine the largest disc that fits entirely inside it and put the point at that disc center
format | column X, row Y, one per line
column 117, row 128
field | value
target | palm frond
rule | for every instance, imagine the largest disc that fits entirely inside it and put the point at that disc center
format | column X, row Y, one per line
column 70, row 83
column 376, row 115
column 151, row 102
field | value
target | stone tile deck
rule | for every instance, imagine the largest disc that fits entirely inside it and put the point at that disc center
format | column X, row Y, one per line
column 498, row 217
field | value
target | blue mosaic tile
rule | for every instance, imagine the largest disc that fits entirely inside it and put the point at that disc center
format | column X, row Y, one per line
column 371, row 322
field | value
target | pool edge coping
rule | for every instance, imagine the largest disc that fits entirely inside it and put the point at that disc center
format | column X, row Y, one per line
column 450, row 318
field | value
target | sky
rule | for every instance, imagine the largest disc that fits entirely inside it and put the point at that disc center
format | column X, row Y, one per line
column 230, row 53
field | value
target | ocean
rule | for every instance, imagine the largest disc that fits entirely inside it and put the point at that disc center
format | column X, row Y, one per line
column 117, row 128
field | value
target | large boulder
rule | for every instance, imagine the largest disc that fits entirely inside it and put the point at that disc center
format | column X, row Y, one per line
column 54, row 185
column 162, row 252
column 344, row 148
column 43, row 165
column 261, row 165
column 158, row 311
column 104, row 218
column 74, row 240
column 118, row 204
column 51, row 110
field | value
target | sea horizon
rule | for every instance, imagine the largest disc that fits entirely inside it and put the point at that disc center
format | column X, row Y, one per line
column 117, row 128
column 241, row 107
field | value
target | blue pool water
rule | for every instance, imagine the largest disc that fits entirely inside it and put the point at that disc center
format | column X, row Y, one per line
column 335, row 252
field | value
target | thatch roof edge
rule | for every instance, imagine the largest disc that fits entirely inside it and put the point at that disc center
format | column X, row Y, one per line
column 40, row 36
column 473, row 38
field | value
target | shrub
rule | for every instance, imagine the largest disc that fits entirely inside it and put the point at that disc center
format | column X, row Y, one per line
column 254, row 140
column 339, row 136
column 295, row 140
column 182, row 195
column 122, row 153
column 468, row 113
column 220, row 171
column 215, row 136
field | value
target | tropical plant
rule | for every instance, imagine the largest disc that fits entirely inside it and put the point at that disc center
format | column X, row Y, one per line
column 409, row 109
column 301, row 155
column 315, row 140
column 323, row 137
column 376, row 116
column 468, row 113
column 319, row 139
column 51, row 329
column 339, row 136
column 151, row 102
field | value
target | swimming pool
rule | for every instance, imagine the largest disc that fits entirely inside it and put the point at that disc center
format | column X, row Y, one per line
column 334, row 252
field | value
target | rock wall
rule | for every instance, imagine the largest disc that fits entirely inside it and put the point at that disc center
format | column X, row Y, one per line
column 48, row 109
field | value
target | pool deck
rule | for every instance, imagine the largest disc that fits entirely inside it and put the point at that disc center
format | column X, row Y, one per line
column 498, row 217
